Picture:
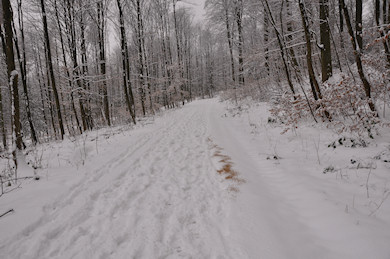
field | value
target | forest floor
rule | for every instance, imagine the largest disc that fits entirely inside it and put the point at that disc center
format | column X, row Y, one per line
column 208, row 180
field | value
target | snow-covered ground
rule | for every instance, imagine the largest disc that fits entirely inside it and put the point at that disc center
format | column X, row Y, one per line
column 203, row 181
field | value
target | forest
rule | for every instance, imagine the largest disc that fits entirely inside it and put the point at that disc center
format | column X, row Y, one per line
column 72, row 66
column 194, row 129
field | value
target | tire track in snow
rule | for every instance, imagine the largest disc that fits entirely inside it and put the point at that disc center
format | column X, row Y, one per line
column 157, row 199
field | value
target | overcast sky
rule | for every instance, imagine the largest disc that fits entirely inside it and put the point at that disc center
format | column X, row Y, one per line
column 196, row 6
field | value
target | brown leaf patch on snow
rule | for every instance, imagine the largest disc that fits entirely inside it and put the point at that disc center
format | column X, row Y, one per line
column 227, row 165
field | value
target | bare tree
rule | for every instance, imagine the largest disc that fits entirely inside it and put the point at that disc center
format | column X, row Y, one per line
column 326, row 52
column 51, row 69
column 125, row 65
column 357, row 54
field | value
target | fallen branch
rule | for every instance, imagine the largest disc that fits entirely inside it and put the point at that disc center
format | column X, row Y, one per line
column 380, row 204
column 19, row 178
column 5, row 213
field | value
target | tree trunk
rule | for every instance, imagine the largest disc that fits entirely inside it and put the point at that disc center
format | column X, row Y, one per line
column 357, row 53
column 266, row 39
column 2, row 122
column 305, row 24
column 140, row 57
column 238, row 15
column 281, row 43
column 12, row 73
column 23, row 71
column 290, row 37
column 380, row 30
column 179, row 54
column 358, row 24
column 51, row 70
column 125, row 64
column 326, row 53
column 102, row 57
column 230, row 40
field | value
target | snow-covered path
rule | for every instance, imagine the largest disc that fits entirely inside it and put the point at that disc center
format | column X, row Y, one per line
column 159, row 198
column 158, row 195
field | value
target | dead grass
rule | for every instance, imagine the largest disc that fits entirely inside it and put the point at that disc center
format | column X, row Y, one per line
column 227, row 164
column 233, row 189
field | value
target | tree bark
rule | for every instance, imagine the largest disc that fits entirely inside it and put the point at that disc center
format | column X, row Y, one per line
column 326, row 52
column 358, row 24
column 281, row 43
column 357, row 53
column 2, row 123
column 51, row 70
column 238, row 15
column 305, row 24
column 23, row 71
column 102, row 58
column 380, row 30
column 11, row 71
column 230, row 40
column 125, row 64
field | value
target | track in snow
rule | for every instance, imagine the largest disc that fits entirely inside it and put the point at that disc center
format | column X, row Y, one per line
column 161, row 198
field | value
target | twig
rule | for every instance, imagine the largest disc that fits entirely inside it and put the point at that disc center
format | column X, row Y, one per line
column 317, row 146
column 368, row 177
column 5, row 213
column 19, row 178
column 380, row 204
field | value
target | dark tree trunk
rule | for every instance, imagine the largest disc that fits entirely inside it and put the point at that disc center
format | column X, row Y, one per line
column 281, row 43
column 313, row 81
column 102, row 57
column 12, row 73
column 51, row 70
column 266, row 39
column 230, row 40
column 140, row 57
column 178, row 48
column 125, row 65
column 326, row 53
column 358, row 24
column 357, row 53
column 238, row 14
column 380, row 29
column 2, row 122
column 290, row 37
column 23, row 71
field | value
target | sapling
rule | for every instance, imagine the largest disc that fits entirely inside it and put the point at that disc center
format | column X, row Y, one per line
column 317, row 147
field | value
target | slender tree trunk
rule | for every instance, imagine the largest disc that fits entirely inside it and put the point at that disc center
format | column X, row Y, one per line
column 125, row 64
column 326, row 53
column 266, row 39
column 23, row 71
column 238, row 15
column 358, row 24
column 66, row 63
column 179, row 54
column 281, row 43
column 85, row 100
column 2, row 122
column 42, row 86
column 380, row 30
column 357, row 53
column 51, row 70
column 12, row 75
column 290, row 37
column 102, row 57
column 230, row 40
column 305, row 24
column 140, row 58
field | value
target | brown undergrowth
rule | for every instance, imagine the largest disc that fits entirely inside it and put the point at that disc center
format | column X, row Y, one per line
column 227, row 166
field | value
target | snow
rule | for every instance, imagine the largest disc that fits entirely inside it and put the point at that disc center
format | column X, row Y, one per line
column 154, row 191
